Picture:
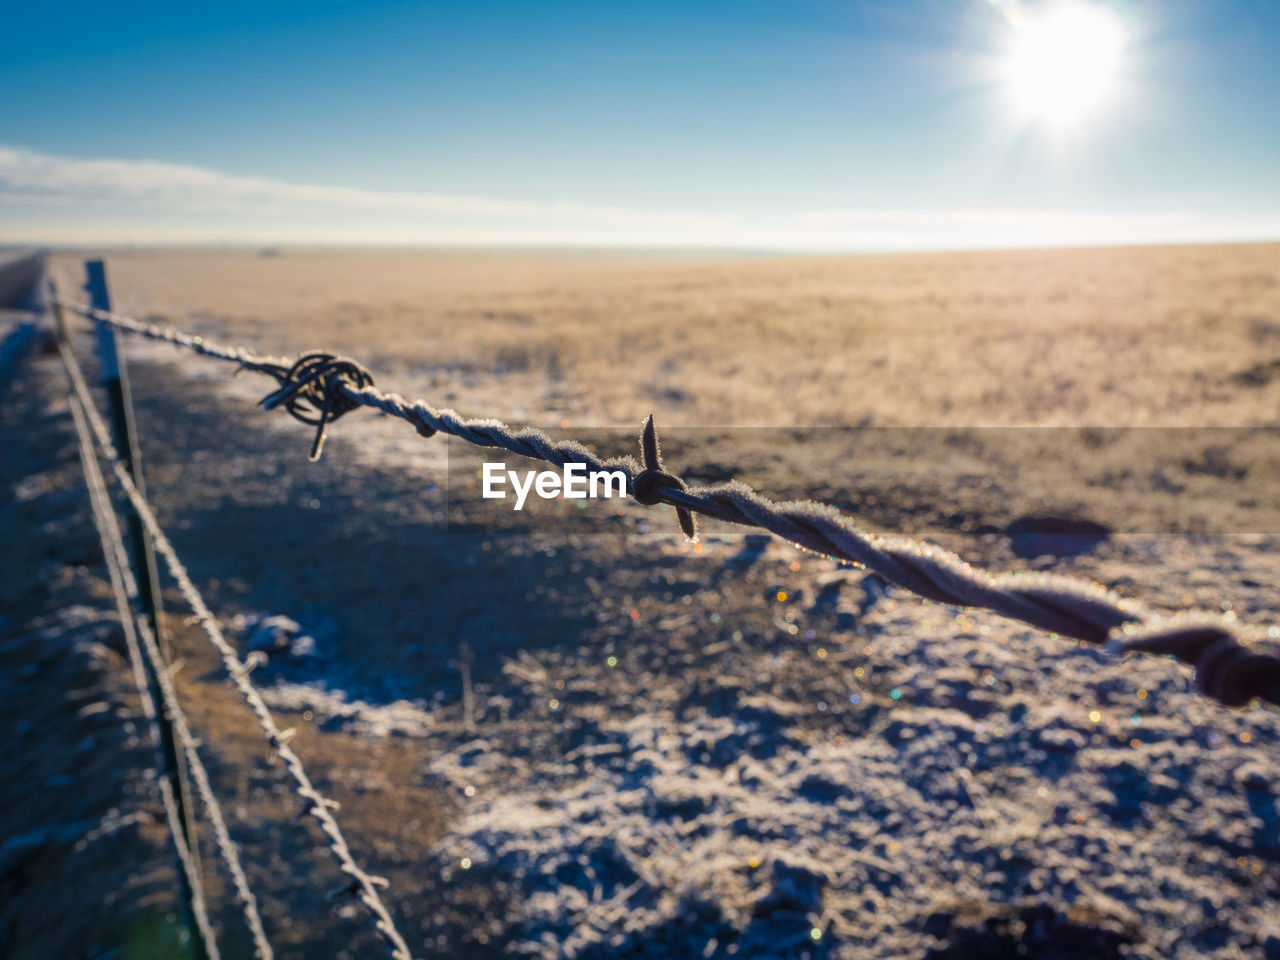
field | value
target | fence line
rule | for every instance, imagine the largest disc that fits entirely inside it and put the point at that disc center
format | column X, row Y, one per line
column 362, row 884
column 123, row 588
column 319, row 388
column 140, row 636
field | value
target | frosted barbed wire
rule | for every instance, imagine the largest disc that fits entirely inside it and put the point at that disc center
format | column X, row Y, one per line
column 363, row 884
column 318, row 388
column 123, row 588
column 140, row 639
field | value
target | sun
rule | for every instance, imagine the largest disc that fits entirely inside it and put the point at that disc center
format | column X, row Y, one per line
column 1063, row 63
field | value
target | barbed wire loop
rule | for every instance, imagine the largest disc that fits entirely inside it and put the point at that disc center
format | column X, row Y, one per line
column 315, row 391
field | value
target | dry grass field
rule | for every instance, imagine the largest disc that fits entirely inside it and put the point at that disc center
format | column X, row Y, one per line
column 728, row 749
column 1103, row 337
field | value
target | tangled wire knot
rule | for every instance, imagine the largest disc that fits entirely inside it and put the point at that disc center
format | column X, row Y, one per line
column 314, row 391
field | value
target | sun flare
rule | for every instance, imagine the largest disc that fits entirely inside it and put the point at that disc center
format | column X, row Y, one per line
column 1063, row 64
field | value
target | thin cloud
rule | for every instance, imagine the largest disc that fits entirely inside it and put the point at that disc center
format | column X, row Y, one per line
column 46, row 198
column 183, row 187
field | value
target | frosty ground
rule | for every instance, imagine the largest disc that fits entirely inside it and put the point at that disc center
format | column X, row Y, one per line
column 731, row 749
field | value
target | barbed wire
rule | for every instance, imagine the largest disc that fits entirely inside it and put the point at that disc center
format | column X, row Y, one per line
column 139, row 636
column 318, row 388
column 124, row 590
column 362, row 884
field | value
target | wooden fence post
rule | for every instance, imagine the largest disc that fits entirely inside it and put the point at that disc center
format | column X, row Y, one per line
column 115, row 381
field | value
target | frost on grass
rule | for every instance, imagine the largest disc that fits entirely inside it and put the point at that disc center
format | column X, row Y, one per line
column 296, row 671
column 936, row 783
column 1002, row 798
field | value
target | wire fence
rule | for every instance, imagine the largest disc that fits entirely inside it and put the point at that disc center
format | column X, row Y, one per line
column 319, row 388
column 139, row 642
column 124, row 591
column 361, row 883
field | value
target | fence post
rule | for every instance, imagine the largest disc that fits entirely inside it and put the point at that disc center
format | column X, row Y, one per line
column 115, row 381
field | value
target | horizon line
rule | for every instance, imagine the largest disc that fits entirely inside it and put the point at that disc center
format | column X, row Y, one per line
column 267, row 248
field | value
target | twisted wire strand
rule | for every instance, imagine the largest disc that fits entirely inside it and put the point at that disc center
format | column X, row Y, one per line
column 124, row 588
column 199, row 910
column 1225, row 668
column 362, row 884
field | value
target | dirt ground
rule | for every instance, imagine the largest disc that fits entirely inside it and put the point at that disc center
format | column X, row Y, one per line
column 722, row 749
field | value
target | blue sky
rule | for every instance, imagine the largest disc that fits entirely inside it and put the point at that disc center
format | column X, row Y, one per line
column 790, row 124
